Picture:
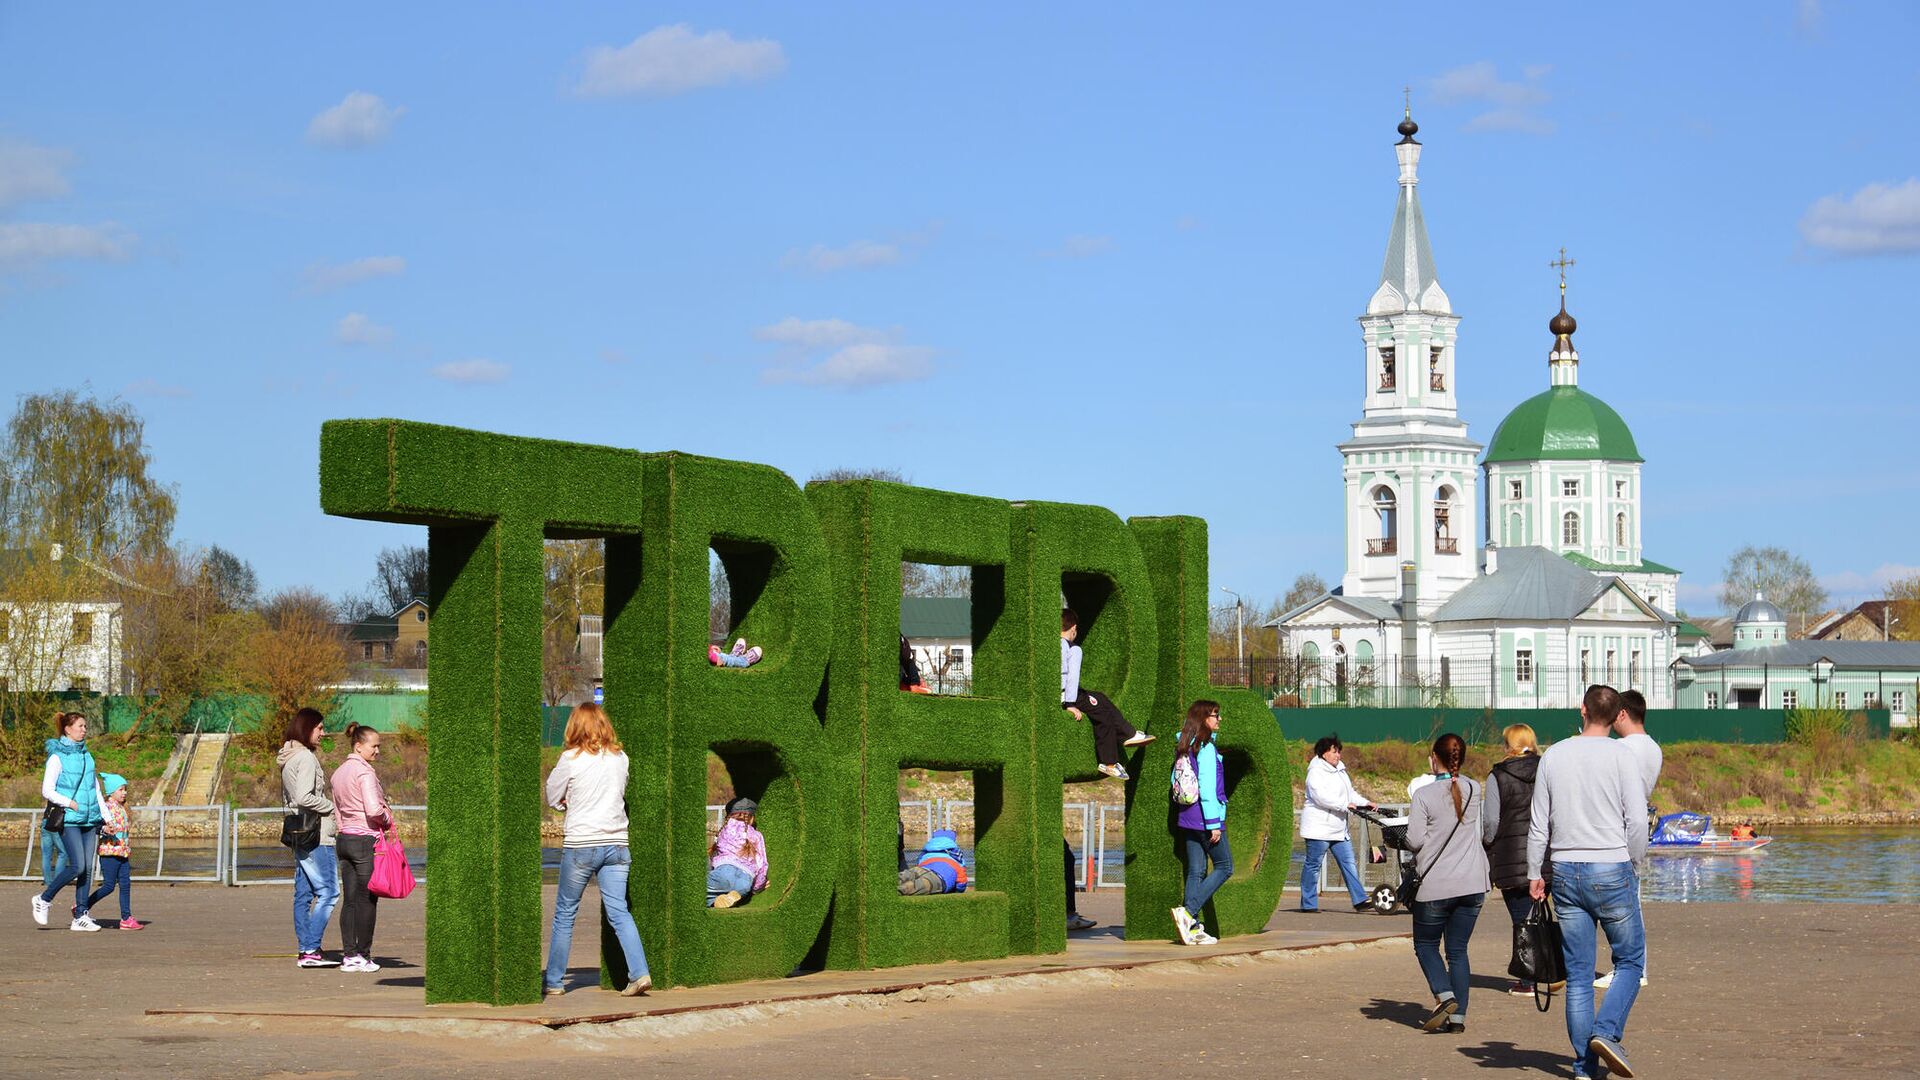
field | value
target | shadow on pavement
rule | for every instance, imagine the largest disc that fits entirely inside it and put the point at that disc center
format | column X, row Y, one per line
column 1506, row 1055
column 1400, row 1012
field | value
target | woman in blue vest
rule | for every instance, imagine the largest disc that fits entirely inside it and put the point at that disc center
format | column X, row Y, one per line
column 72, row 782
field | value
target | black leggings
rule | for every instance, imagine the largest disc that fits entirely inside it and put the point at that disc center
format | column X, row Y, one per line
column 1110, row 727
column 358, row 907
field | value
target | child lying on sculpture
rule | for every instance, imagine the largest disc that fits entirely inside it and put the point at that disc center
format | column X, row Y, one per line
column 939, row 869
column 741, row 656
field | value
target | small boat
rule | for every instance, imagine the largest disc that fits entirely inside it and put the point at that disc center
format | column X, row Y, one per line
column 1688, row 833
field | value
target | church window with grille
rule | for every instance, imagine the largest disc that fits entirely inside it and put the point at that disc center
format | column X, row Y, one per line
column 1523, row 665
column 1386, row 368
column 1436, row 379
column 1620, row 530
column 1570, row 529
column 1444, row 542
column 1570, row 488
column 1516, row 489
column 1388, row 513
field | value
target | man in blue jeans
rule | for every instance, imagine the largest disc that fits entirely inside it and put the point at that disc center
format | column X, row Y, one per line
column 1589, row 808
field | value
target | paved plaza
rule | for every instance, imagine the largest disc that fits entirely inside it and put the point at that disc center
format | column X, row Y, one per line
column 210, row 990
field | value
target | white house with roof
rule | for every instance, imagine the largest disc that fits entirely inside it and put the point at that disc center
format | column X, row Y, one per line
column 1561, row 595
column 1768, row 669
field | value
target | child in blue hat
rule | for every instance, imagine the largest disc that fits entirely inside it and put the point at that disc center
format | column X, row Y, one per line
column 115, row 852
column 939, row 869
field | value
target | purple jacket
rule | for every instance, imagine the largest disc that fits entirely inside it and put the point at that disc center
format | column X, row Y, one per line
column 1211, row 811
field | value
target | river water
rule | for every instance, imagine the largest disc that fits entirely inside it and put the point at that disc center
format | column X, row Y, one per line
column 1851, row 864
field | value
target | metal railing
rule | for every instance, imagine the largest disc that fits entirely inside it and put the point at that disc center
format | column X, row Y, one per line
column 186, row 761
column 416, row 856
column 142, row 837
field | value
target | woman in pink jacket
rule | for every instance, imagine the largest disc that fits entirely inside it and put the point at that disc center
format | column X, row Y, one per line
column 361, row 809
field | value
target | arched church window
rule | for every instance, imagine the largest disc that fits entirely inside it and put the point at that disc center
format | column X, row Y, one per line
column 1388, row 513
column 1570, row 529
column 1386, row 367
column 1620, row 530
column 1444, row 542
column 1436, row 379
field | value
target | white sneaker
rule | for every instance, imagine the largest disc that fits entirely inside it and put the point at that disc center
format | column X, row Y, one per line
column 357, row 964
column 40, row 909
column 1140, row 738
column 85, row 925
column 1201, row 937
column 1184, row 924
column 1118, row 772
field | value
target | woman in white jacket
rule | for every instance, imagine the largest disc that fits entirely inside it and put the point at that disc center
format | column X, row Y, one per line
column 1323, row 825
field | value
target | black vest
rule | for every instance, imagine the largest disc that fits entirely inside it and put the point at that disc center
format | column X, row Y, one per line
column 1507, row 857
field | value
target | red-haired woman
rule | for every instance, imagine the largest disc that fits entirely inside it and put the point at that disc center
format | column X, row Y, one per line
column 589, row 784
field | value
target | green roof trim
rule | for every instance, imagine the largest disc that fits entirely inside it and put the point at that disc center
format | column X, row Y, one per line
column 1688, row 630
column 1564, row 423
column 1644, row 566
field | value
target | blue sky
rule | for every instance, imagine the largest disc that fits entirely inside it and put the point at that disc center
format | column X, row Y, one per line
column 1096, row 253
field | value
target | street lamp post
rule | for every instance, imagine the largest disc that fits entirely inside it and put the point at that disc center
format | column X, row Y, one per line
column 1239, row 635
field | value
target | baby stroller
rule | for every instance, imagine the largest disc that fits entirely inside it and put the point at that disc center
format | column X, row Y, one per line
column 1393, row 837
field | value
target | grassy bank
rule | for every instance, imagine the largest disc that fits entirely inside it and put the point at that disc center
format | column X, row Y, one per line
column 1822, row 780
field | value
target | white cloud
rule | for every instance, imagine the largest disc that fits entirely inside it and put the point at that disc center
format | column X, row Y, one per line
column 1807, row 17
column 1512, row 106
column 835, row 352
column 859, row 255
column 870, row 363
column 31, row 172
column 817, row 333
column 361, row 119
column 357, row 329
column 670, row 60
column 323, row 276
column 1872, row 584
column 154, row 388
column 1879, row 219
column 24, row 243
column 472, row 371
column 1080, row 247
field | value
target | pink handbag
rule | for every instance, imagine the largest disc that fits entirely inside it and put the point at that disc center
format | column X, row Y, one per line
column 392, row 877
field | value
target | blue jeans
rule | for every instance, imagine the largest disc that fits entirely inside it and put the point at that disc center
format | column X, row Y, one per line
column 115, row 873
column 605, row 865
column 1592, row 897
column 1451, row 919
column 80, row 845
column 727, row 659
column 316, row 892
column 1201, row 885
column 1310, row 872
column 53, row 856
column 728, row 878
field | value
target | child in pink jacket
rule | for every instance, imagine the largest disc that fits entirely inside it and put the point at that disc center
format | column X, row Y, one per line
column 739, row 857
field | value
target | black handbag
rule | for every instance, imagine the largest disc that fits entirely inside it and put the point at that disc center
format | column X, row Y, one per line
column 1539, row 954
column 300, row 829
column 56, row 818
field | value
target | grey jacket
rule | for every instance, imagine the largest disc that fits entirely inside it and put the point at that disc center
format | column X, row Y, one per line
column 303, row 784
column 1448, row 867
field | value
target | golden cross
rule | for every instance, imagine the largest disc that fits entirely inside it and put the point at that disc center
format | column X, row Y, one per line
column 1407, row 93
column 1561, row 265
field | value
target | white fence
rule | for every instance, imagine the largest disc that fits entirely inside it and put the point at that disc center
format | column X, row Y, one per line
column 201, row 837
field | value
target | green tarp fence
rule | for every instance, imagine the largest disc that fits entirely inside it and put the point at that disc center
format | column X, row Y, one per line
column 1482, row 726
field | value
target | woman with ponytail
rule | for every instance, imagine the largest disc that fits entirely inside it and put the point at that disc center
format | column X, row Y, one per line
column 1443, row 831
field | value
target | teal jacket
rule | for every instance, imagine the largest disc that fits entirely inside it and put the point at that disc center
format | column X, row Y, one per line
column 78, row 780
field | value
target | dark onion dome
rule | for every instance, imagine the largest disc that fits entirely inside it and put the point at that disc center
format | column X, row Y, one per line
column 1408, row 128
column 1562, row 324
column 1564, row 423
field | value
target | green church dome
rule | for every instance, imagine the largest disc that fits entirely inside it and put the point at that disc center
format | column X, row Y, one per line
column 1563, row 424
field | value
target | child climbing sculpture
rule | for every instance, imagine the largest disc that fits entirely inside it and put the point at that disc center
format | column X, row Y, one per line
column 1111, row 732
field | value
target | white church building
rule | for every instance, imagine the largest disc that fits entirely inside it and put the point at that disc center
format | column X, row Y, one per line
column 1560, row 595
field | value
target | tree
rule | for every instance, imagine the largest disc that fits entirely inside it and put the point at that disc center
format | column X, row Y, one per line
column 1903, row 596
column 1783, row 577
column 575, row 587
column 1308, row 586
column 298, row 601
column 295, row 664
column 400, row 574
column 181, row 641
column 73, row 472
column 235, row 586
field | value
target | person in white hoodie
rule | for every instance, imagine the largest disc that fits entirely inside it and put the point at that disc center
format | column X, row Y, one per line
column 1323, row 825
column 589, row 784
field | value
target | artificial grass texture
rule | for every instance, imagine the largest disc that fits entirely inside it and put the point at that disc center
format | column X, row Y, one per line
column 818, row 731
column 1259, row 769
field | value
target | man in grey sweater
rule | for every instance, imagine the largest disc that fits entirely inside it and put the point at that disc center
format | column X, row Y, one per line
column 1589, row 807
